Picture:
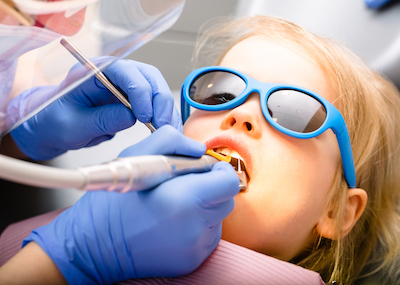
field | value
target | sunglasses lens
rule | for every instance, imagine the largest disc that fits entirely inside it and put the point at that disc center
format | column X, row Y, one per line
column 216, row 87
column 296, row 111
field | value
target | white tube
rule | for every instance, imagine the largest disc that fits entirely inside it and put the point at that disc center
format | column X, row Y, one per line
column 138, row 173
column 24, row 172
column 124, row 174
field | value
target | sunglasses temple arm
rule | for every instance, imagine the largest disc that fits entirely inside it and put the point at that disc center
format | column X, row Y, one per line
column 346, row 155
column 185, row 108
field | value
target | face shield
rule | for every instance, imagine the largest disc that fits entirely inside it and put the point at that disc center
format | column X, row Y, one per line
column 31, row 54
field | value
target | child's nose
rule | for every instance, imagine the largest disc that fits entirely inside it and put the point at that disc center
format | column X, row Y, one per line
column 246, row 117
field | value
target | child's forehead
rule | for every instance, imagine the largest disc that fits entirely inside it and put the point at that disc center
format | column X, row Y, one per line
column 277, row 62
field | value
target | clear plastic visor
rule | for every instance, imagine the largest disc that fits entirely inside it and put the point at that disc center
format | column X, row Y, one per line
column 31, row 54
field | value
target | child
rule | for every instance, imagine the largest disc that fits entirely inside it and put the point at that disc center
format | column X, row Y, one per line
column 298, row 205
column 305, row 202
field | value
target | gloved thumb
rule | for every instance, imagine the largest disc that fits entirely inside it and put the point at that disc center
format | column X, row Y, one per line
column 222, row 177
column 166, row 140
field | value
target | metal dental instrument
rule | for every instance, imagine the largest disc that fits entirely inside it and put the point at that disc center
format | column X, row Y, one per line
column 100, row 76
column 237, row 164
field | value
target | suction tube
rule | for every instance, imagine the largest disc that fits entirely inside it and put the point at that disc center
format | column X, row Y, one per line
column 124, row 174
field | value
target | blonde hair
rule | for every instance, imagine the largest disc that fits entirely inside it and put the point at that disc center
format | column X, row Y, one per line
column 370, row 106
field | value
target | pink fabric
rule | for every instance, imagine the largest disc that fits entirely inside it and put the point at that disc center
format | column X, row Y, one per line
column 228, row 264
column 12, row 236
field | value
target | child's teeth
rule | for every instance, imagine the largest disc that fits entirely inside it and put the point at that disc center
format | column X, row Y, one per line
column 224, row 150
column 228, row 151
column 236, row 155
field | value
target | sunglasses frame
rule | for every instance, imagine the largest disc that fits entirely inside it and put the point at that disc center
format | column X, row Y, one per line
column 334, row 120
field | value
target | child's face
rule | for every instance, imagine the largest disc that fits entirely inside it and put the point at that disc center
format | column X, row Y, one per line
column 289, row 178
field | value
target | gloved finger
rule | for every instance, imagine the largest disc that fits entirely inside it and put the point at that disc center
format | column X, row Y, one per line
column 219, row 185
column 128, row 76
column 98, row 140
column 213, row 236
column 91, row 92
column 212, row 192
column 163, row 110
column 215, row 214
column 376, row 4
column 176, row 120
column 109, row 119
column 166, row 140
column 210, row 240
column 163, row 101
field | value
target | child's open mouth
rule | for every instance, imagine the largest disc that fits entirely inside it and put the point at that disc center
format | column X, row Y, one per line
column 232, row 157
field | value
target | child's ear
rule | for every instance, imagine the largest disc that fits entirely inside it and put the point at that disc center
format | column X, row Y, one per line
column 355, row 205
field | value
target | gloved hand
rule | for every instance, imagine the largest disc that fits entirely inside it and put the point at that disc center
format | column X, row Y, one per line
column 167, row 231
column 90, row 113
column 376, row 4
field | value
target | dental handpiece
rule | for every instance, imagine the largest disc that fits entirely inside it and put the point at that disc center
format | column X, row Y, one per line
column 145, row 172
column 142, row 172
column 123, row 174
column 101, row 77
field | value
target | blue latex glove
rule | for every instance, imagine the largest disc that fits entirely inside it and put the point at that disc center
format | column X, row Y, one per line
column 91, row 114
column 376, row 4
column 167, row 231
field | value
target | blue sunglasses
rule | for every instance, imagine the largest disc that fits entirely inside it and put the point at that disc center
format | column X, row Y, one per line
column 291, row 109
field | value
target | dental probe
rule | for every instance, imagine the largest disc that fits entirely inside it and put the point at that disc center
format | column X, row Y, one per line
column 101, row 77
